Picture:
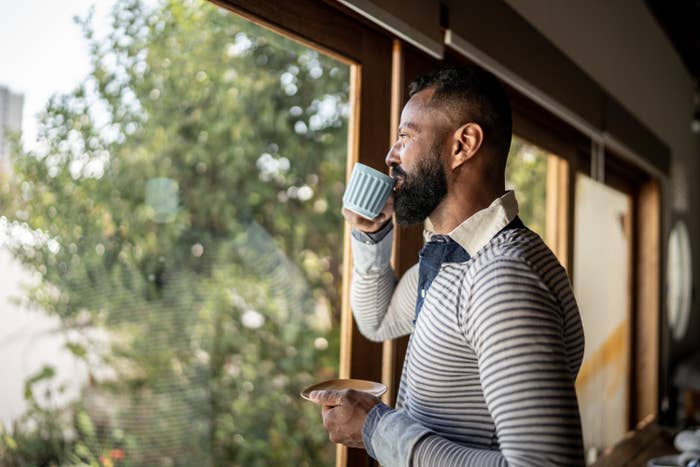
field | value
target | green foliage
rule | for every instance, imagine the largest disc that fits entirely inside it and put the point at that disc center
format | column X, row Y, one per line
column 47, row 372
column 218, row 289
column 526, row 173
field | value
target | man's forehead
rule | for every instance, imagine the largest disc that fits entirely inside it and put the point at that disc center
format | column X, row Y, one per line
column 418, row 111
column 420, row 100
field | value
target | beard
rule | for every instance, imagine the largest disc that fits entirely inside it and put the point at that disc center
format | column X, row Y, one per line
column 421, row 191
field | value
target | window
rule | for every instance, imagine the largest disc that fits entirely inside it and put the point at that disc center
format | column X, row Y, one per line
column 526, row 173
column 540, row 181
column 184, row 225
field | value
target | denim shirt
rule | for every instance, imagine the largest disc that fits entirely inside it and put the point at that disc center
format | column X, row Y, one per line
column 443, row 249
column 440, row 249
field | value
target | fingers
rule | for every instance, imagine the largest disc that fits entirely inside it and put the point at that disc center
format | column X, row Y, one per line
column 388, row 209
column 344, row 413
column 367, row 225
column 328, row 398
column 358, row 221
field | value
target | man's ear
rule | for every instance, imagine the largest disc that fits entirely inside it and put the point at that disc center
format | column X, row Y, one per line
column 466, row 142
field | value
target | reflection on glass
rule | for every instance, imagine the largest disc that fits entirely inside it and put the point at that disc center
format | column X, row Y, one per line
column 602, row 286
column 526, row 173
column 184, row 224
column 161, row 198
column 679, row 280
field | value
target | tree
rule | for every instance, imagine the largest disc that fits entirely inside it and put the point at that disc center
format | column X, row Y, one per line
column 186, row 201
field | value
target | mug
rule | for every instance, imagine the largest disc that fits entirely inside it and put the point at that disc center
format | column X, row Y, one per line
column 368, row 191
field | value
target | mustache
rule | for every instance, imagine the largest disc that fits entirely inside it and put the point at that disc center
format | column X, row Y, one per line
column 397, row 171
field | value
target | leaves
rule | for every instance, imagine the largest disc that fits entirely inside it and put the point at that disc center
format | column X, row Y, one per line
column 76, row 349
column 186, row 205
column 46, row 372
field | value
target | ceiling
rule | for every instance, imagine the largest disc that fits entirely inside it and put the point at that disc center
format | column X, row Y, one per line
column 680, row 20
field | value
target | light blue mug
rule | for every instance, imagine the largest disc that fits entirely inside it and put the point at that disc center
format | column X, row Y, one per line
column 368, row 191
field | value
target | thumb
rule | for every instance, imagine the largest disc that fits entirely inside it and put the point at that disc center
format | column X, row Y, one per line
column 327, row 397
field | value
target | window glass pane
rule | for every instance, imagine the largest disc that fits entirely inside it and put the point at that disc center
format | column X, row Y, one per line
column 602, row 286
column 526, row 173
column 180, row 220
column 679, row 279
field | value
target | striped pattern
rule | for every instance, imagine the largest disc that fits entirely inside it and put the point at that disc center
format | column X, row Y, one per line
column 492, row 360
column 367, row 191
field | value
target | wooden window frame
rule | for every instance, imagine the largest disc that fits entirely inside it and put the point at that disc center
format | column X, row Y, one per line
column 368, row 51
column 407, row 64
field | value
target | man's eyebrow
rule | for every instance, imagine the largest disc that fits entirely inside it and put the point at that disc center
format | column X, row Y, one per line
column 409, row 125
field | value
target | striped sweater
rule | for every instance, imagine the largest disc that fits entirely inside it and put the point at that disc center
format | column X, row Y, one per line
column 488, row 378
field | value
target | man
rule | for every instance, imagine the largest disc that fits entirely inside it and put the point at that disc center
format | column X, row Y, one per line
column 496, row 338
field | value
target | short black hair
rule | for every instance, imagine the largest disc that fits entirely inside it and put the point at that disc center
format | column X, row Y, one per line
column 472, row 94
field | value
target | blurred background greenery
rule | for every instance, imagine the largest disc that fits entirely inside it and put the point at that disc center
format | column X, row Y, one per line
column 526, row 173
column 185, row 202
column 188, row 198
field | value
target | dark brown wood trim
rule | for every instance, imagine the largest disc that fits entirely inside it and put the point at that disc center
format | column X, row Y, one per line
column 313, row 23
column 558, row 202
column 389, row 368
column 648, row 285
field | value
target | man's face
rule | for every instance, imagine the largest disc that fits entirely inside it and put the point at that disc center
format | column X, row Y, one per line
column 416, row 161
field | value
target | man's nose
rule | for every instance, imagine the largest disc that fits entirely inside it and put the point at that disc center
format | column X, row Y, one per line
column 392, row 157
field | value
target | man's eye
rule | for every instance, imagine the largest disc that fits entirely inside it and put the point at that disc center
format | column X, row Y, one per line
column 402, row 135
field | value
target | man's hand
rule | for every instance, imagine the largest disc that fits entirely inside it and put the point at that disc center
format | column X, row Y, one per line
column 370, row 226
column 344, row 413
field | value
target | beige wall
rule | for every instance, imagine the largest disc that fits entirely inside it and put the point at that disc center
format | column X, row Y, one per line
column 602, row 229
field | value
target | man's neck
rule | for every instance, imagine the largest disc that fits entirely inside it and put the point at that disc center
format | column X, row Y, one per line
column 459, row 206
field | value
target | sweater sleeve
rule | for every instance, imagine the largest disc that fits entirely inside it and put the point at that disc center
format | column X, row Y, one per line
column 383, row 306
column 516, row 328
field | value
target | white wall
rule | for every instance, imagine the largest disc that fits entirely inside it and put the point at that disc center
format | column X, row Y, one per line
column 29, row 340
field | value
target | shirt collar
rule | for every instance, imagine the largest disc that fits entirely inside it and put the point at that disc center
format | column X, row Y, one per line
column 478, row 229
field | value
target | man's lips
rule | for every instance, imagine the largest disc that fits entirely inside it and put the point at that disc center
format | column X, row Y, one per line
column 398, row 174
column 397, row 171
